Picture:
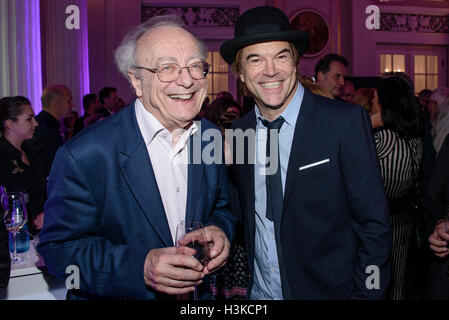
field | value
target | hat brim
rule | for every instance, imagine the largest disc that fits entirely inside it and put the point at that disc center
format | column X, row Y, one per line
column 229, row 49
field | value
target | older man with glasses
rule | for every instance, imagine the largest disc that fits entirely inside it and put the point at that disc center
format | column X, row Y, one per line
column 118, row 192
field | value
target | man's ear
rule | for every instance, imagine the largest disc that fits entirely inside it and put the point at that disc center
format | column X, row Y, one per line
column 320, row 76
column 136, row 83
column 241, row 77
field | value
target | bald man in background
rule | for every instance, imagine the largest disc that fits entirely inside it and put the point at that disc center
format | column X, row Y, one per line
column 56, row 105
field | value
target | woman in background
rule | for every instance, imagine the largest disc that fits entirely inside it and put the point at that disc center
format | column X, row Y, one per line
column 222, row 112
column 364, row 98
column 20, row 168
column 231, row 281
column 399, row 149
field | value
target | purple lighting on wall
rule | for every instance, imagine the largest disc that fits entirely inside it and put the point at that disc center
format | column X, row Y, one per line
column 35, row 87
column 84, row 51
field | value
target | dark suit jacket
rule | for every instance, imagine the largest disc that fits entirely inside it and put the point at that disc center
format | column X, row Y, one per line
column 436, row 202
column 436, row 199
column 104, row 111
column 46, row 140
column 79, row 124
column 104, row 212
column 335, row 221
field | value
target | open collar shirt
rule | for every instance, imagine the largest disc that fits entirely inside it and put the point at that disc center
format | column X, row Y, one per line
column 169, row 162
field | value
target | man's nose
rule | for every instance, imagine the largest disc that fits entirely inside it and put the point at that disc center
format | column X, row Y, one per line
column 270, row 68
column 184, row 78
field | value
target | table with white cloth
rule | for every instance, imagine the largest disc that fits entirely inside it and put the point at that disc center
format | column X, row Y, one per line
column 30, row 280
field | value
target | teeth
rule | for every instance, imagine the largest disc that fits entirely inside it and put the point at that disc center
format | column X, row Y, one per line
column 271, row 84
column 181, row 96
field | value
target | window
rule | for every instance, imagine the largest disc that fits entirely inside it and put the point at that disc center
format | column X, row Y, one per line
column 426, row 72
column 217, row 79
column 392, row 62
column 425, row 65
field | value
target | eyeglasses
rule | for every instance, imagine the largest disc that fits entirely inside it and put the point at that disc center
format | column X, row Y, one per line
column 169, row 72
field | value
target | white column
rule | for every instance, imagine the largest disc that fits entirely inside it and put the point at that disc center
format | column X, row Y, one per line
column 20, row 50
column 67, row 60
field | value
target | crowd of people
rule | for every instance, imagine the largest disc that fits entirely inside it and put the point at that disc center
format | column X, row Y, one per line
column 361, row 175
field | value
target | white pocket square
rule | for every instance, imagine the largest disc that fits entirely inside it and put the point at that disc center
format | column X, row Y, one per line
column 313, row 164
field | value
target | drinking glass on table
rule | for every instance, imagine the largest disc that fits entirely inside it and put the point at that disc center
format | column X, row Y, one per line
column 195, row 231
column 15, row 217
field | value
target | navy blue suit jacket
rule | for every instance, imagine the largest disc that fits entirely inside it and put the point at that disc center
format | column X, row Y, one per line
column 335, row 221
column 104, row 212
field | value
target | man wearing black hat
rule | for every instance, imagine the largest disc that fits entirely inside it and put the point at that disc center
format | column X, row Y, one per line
column 317, row 226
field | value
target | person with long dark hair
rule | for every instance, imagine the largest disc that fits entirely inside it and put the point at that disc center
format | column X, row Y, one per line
column 20, row 168
column 399, row 149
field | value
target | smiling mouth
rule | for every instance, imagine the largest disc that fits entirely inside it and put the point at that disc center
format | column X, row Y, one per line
column 271, row 85
column 181, row 96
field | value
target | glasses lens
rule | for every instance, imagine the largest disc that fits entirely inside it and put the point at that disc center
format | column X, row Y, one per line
column 168, row 72
column 198, row 70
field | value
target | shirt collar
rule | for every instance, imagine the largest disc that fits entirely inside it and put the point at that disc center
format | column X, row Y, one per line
column 150, row 126
column 290, row 114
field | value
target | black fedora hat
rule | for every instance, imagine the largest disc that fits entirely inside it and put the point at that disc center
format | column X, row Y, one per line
column 263, row 24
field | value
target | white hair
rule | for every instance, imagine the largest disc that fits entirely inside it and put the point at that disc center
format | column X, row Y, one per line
column 441, row 96
column 125, row 55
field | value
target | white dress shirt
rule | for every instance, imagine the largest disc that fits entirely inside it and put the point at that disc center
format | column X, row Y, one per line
column 169, row 164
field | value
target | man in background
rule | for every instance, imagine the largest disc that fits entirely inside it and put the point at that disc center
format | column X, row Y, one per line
column 330, row 73
column 91, row 105
column 109, row 99
column 56, row 105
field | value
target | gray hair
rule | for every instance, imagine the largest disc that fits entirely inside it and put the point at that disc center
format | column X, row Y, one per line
column 441, row 96
column 125, row 55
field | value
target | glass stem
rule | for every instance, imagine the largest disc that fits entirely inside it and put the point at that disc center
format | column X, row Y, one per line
column 15, row 246
column 195, row 293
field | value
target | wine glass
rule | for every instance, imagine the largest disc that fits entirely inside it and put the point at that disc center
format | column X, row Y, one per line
column 2, row 196
column 195, row 231
column 15, row 217
column 446, row 220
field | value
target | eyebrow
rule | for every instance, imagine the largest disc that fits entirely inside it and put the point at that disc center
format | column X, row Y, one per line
column 256, row 55
column 173, row 59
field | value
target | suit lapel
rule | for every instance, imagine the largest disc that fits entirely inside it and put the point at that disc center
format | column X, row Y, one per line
column 246, row 171
column 138, row 172
column 301, row 140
